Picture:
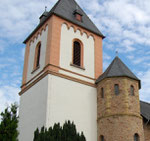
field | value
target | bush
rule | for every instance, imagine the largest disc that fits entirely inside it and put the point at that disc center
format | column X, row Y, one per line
column 57, row 133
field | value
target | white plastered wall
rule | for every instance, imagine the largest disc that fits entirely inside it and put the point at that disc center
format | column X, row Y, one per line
column 67, row 36
column 43, row 39
column 32, row 110
column 69, row 100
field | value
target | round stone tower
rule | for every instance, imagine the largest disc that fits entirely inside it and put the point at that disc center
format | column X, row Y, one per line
column 118, row 110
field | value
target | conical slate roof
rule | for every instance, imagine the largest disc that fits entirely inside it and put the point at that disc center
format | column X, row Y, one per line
column 65, row 9
column 117, row 69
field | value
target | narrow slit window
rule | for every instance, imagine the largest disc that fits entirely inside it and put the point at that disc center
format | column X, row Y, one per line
column 136, row 137
column 77, row 54
column 132, row 90
column 101, row 138
column 102, row 92
column 116, row 88
column 37, row 56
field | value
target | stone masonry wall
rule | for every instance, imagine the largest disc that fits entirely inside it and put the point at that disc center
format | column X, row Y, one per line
column 120, row 128
column 119, row 115
column 146, row 131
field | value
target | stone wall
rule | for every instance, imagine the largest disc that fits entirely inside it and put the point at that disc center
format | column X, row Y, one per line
column 120, row 128
column 119, row 115
column 146, row 131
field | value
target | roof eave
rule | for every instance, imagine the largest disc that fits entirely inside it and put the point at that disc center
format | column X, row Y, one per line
column 101, row 35
column 39, row 25
column 97, row 81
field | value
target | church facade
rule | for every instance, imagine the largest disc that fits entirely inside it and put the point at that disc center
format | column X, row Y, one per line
column 63, row 80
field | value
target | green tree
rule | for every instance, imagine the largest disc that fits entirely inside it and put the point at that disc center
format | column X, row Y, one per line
column 9, row 124
column 67, row 132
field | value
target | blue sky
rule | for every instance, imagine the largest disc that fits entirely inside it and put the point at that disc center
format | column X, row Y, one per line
column 125, row 23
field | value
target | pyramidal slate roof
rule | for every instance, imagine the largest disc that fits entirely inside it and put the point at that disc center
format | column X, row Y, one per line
column 145, row 110
column 117, row 69
column 65, row 9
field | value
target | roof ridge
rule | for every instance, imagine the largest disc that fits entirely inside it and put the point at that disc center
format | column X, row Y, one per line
column 118, row 59
column 54, row 7
column 145, row 102
column 108, row 69
column 126, row 67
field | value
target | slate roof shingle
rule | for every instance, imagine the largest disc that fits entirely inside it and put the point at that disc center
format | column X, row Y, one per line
column 145, row 109
column 65, row 9
column 117, row 69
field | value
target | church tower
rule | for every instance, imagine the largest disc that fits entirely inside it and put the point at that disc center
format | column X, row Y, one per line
column 118, row 105
column 63, row 58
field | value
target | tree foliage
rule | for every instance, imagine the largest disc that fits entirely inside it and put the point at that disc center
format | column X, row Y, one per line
column 57, row 133
column 9, row 124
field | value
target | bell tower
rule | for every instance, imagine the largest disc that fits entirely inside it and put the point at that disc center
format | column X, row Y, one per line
column 118, row 106
column 63, row 58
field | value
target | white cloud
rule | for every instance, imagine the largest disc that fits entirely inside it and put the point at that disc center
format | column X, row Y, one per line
column 106, row 56
column 130, row 57
column 3, row 66
column 8, row 95
column 105, row 65
column 148, row 53
column 145, row 91
column 19, row 17
column 139, row 60
column 23, row 52
column 124, row 20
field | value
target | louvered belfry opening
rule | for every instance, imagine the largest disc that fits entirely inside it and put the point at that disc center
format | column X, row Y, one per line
column 77, row 54
column 38, row 55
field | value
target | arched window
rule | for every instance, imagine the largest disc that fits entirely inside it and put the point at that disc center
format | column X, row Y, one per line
column 136, row 137
column 116, row 89
column 102, row 92
column 77, row 53
column 101, row 138
column 37, row 55
column 132, row 90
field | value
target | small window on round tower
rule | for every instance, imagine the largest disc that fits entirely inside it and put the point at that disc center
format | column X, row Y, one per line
column 102, row 92
column 136, row 137
column 132, row 90
column 116, row 89
column 101, row 138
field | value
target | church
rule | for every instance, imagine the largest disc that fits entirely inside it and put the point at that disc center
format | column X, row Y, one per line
column 63, row 79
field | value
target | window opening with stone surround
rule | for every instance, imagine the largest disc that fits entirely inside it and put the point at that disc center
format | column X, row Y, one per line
column 102, row 92
column 136, row 137
column 116, row 89
column 101, row 138
column 132, row 90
